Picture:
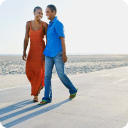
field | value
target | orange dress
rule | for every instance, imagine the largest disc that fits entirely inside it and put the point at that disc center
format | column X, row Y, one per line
column 35, row 67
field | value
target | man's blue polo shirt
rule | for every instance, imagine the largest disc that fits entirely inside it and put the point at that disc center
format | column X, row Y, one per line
column 54, row 31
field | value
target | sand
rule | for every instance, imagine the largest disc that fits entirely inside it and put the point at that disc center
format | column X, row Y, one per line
column 12, row 68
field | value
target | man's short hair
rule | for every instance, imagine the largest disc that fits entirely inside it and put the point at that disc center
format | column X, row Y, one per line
column 37, row 7
column 52, row 8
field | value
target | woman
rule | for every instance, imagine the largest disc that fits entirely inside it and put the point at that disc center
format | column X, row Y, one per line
column 35, row 65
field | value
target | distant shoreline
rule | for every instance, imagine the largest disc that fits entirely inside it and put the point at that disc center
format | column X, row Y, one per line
column 67, row 54
column 12, row 67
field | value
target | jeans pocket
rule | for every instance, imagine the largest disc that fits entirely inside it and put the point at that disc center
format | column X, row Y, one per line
column 60, row 52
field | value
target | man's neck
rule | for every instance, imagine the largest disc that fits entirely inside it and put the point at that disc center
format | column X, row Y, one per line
column 52, row 18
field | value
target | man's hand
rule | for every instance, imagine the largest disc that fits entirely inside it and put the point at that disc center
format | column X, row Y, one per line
column 64, row 57
column 43, row 57
column 24, row 56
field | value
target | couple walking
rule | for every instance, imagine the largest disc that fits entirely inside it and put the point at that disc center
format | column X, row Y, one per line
column 41, row 58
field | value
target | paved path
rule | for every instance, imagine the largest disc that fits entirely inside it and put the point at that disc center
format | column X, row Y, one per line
column 101, row 102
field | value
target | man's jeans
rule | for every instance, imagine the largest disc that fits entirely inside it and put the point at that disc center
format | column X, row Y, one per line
column 59, row 64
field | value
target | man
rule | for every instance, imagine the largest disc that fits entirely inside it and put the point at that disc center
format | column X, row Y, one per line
column 55, row 53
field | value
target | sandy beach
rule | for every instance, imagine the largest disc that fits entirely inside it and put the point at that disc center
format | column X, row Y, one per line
column 12, row 68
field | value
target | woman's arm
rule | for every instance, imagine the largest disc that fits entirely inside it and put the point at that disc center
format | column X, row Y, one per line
column 26, row 40
column 45, row 30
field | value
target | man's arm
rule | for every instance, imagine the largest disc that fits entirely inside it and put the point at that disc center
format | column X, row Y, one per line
column 64, row 56
column 60, row 31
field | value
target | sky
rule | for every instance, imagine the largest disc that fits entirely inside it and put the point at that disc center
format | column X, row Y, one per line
column 91, row 26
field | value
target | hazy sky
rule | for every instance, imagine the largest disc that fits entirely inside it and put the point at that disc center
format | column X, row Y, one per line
column 91, row 26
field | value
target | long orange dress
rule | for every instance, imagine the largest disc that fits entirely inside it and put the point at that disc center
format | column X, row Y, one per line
column 35, row 67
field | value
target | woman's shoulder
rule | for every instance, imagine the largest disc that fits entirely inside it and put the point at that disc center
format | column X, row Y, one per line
column 28, row 23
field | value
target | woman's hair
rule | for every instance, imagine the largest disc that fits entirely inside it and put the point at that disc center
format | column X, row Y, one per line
column 37, row 7
column 52, row 8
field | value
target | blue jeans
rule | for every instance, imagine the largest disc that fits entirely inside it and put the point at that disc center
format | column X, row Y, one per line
column 59, row 64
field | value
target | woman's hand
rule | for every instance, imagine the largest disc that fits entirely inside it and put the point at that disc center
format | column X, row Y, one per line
column 43, row 57
column 24, row 57
column 64, row 57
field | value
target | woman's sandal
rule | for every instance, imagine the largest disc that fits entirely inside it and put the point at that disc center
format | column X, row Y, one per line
column 35, row 99
column 42, row 102
column 73, row 95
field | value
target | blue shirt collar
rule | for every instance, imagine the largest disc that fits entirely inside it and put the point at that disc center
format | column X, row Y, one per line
column 53, row 20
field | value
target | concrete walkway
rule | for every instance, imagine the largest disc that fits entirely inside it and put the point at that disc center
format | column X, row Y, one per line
column 101, row 102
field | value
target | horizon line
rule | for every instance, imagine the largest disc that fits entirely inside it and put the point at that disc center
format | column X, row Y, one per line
column 79, row 54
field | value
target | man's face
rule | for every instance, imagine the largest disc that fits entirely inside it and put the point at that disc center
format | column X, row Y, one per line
column 49, row 13
column 38, row 14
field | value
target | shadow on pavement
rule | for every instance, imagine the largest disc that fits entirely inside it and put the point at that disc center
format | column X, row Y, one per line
column 31, row 115
column 15, row 106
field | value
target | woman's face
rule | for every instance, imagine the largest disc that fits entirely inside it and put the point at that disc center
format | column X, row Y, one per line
column 38, row 14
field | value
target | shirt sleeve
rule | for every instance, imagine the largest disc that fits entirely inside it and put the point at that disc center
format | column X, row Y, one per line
column 59, row 28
